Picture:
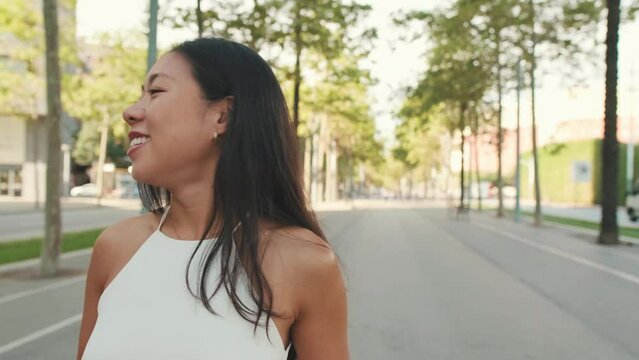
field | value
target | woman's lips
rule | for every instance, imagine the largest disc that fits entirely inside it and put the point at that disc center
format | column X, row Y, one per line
column 133, row 149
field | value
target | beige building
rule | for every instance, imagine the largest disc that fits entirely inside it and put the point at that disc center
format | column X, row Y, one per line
column 565, row 131
column 23, row 132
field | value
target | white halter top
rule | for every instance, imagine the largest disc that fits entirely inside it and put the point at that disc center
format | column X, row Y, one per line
column 147, row 312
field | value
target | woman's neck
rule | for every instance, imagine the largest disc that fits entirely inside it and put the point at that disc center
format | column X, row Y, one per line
column 189, row 215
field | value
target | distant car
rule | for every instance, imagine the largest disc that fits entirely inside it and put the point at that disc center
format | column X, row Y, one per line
column 86, row 190
column 126, row 192
column 632, row 206
column 632, row 202
column 507, row 191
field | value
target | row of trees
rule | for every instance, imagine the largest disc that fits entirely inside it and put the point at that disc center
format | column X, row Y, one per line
column 316, row 48
column 477, row 48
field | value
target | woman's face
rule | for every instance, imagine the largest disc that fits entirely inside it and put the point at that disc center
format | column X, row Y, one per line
column 172, row 126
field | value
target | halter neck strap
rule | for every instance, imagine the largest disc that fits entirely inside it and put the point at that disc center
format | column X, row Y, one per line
column 166, row 212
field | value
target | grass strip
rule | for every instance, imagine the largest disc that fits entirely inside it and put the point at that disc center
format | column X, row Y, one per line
column 586, row 224
column 623, row 230
column 16, row 250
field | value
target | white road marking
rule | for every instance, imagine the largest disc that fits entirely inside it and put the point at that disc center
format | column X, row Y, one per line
column 56, row 285
column 566, row 255
column 40, row 333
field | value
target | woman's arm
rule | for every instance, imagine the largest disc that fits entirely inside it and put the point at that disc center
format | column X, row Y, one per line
column 320, row 330
column 93, row 290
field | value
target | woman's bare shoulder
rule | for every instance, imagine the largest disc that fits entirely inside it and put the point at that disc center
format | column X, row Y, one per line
column 127, row 231
column 315, row 286
column 117, row 243
column 307, row 256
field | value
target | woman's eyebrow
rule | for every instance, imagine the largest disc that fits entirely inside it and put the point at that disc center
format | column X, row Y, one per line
column 154, row 76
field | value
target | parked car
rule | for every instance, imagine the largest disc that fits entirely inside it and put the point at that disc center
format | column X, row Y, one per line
column 126, row 192
column 508, row 191
column 632, row 202
column 86, row 190
column 632, row 206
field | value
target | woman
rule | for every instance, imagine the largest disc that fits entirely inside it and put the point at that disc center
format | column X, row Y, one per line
column 217, row 160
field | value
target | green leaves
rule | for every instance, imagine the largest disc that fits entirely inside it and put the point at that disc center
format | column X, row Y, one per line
column 109, row 84
column 475, row 46
column 326, row 39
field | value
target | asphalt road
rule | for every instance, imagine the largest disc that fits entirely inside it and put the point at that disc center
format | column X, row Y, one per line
column 421, row 285
column 21, row 220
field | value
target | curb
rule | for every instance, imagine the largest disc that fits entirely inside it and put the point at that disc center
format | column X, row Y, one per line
column 624, row 239
column 25, row 264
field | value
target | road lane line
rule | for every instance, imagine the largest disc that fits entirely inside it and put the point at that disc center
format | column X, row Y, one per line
column 40, row 333
column 566, row 255
column 59, row 284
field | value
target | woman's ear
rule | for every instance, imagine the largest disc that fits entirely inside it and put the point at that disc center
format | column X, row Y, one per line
column 228, row 102
column 218, row 115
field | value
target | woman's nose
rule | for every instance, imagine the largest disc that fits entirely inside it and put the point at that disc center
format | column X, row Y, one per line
column 133, row 113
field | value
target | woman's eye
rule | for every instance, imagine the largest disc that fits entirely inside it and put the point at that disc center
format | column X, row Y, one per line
column 155, row 91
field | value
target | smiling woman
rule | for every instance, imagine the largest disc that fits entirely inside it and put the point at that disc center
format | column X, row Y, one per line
column 239, row 267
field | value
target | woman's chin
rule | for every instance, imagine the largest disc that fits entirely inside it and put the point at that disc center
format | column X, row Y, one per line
column 141, row 176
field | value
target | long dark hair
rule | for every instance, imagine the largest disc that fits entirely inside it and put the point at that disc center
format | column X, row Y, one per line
column 258, row 175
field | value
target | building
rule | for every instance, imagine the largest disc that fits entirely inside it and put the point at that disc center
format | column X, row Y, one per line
column 23, row 132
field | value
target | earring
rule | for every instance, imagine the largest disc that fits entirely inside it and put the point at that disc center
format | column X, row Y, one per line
column 215, row 137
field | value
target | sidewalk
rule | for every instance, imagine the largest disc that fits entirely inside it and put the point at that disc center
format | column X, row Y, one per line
column 21, row 220
column 14, row 205
column 589, row 213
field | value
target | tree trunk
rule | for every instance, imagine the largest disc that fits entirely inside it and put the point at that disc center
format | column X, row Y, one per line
column 36, row 152
column 518, row 149
column 104, row 134
column 153, row 35
column 609, row 230
column 476, row 146
column 51, row 245
column 200, row 21
column 500, row 135
column 462, row 125
column 469, row 196
column 533, row 60
column 297, row 75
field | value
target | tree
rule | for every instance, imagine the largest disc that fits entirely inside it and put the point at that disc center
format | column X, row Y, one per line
column 566, row 31
column 340, row 93
column 109, row 82
column 52, row 243
column 532, row 59
column 325, row 27
column 492, row 21
column 418, row 145
column 20, row 80
column 21, row 73
column 513, row 29
column 199, row 19
column 22, row 67
column 609, row 230
column 458, row 76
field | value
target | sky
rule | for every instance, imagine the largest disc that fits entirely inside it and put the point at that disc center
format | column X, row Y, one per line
column 397, row 64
